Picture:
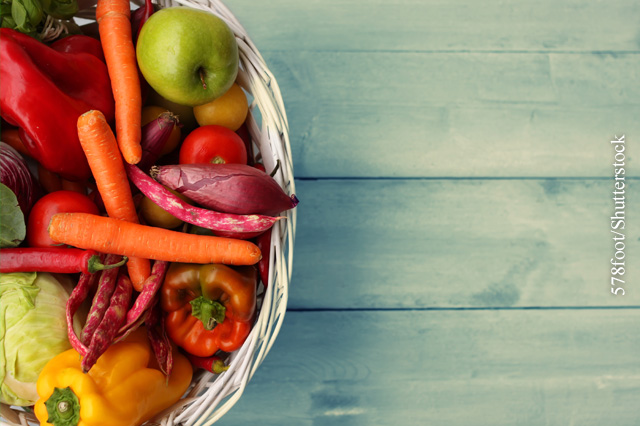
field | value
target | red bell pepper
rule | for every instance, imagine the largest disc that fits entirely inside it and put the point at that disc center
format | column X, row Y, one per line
column 43, row 92
column 209, row 307
column 79, row 43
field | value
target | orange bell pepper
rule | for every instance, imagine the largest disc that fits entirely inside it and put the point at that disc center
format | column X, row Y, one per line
column 209, row 307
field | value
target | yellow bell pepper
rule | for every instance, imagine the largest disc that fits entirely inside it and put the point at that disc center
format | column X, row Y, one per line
column 123, row 388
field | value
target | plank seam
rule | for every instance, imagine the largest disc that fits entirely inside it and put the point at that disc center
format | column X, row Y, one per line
column 567, row 178
column 462, row 51
column 468, row 308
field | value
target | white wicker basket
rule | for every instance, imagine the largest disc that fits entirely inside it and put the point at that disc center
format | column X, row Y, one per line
column 211, row 396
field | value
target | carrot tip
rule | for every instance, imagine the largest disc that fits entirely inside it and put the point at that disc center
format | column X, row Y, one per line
column 133, row 159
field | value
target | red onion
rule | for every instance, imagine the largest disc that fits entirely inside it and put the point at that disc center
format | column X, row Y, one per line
column 228, row 188
column 139, row 17
column 222, row 224
column 155, row 135
column 15, row 174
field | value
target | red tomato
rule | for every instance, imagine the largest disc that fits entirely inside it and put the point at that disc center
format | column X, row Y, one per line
column 47, row 206
column 213, row 144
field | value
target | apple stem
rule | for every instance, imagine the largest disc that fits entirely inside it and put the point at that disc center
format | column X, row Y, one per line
column 201, row 72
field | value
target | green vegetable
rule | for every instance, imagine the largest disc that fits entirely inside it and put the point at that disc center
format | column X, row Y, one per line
column 60, row 9
column 12, row 226
column 29, row 16
column 33, row 329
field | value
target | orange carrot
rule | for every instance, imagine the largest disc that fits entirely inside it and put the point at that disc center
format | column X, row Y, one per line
column 114, row 24
column 100, row 147
column 108, row 235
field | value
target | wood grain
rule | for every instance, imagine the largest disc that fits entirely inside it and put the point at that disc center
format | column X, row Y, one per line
column 381, row 244
column 418, row 25
column 565, row 367
column 455, row 141
column 384, row 114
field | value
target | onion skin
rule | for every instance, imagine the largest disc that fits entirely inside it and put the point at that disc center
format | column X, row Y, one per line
column 155, row 135
column 228, row 188
column 16, row 176
column 222, row 224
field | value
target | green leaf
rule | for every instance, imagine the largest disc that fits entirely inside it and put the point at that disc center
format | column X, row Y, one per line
column 19, row 13
column 34, row 11
column 61, row 9
column 12, row 226
column 5, row 9
column 8, row 22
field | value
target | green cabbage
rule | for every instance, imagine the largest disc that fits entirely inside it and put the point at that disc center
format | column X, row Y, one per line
column 33, row 329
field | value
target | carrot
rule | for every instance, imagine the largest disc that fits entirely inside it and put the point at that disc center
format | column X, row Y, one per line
column 109, row 235
column 100, row 147
column 114, row 24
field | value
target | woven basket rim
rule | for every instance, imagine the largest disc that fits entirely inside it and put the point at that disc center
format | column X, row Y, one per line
column 209, row 396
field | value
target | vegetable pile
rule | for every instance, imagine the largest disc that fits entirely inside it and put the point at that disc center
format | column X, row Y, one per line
column 134, row 231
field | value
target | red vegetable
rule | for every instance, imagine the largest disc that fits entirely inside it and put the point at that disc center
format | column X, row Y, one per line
column 213, row 144
column 11, row 136
column 146, row 298
column 78, row 295
column 139, row 17
column 160, row 342
column 47, row 206
column 15, row 174
column 213, row 364
column 111, row 322
column 223, row 224
column 106, row 286
column 77, row 43
column 229, row 188
column 244, row 134
column 264, row 244
column 60, row 260
column 155, row 135
column 44, row 92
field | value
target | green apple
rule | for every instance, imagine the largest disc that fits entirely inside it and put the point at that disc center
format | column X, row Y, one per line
column 188, row 56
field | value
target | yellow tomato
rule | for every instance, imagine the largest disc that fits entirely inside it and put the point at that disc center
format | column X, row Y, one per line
column 155, row 215
column 229, row 110
column 152, row 112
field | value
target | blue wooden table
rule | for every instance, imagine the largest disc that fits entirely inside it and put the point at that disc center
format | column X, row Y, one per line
column 453, row 256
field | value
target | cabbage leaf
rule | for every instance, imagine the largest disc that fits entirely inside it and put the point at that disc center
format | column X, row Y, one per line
column 33, row 330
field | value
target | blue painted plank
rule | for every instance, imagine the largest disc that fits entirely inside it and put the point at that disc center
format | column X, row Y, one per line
column 472, row 115
column 493, row 368
column 457, row 141
column 460, row 243
column 418, row 25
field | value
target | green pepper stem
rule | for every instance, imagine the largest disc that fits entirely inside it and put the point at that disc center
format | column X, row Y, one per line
column 63, row 407
column 219, row 366
column 210, row 312
column 95, row 265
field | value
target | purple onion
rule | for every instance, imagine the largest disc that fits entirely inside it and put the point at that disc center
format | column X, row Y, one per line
column 228, row 188
column 15, row 174
column 155, row 135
